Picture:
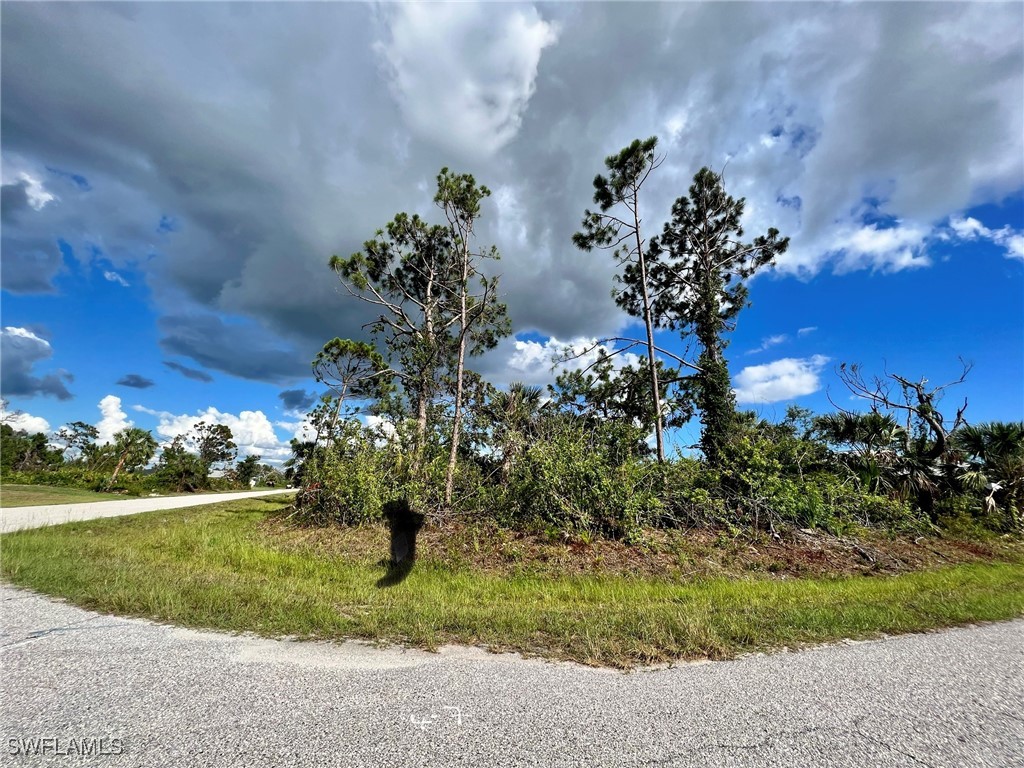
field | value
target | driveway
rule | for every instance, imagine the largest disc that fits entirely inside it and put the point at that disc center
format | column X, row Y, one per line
column 17, row 518
column 145, row 694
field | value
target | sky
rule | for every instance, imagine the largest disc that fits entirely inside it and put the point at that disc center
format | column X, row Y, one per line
column 176, row 177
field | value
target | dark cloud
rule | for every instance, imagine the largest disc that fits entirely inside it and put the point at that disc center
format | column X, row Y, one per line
column 13, row 198
column 21, row 350
column 265, row 171
column 189, row 373
column 297, row 399
column 135, row 381
column 241, row 349
column 29, row 262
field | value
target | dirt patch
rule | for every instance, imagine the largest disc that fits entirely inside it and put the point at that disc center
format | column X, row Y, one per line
column 666, row 554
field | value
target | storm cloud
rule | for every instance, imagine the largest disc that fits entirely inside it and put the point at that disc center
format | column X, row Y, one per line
column 270, row 158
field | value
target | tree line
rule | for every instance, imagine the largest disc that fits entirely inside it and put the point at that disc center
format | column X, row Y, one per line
column 72, row 456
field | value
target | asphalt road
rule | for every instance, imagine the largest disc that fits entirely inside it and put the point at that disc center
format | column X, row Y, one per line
column 153, row 695
column 17, row 518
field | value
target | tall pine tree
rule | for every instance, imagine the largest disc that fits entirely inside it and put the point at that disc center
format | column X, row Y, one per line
column 617, row 226
column 700, row 278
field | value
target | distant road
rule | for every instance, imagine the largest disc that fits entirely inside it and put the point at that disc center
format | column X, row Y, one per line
column 18, row 518
column 159, row 696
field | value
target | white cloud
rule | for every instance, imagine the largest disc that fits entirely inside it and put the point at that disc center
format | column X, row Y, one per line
column 251, row 431
column 968, row 228
column 115, row 278
column 807, row 330
column 781, row 380
column 971, row 229
column 463, row 74
column 1014, row 247
column 19, row 420
column 300, row 430
column 885, row 249
column 377, row 422
column 534, row 362
column 25, row 333
column 113, row 419
column 769, row 342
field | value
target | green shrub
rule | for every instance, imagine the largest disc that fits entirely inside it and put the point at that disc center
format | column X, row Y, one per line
column 349, row 485
column 81, row 476
column 577, row 483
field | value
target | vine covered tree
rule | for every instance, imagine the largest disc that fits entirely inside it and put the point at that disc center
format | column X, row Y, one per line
column 700, row 273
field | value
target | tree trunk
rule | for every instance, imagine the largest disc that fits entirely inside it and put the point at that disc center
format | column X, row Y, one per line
column 421, row 431
column 117, row 469
column 926, row 500
column 714, row 398
column 334, row 419
column 652, row 363
column 449, row 480
column 424, row 394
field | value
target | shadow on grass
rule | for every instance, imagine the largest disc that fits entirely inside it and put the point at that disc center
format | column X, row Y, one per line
column 396, row 574
column 270, row 501
column 404, row 523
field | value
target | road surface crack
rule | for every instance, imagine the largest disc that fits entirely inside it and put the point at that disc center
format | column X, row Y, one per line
column 39, row 634
column 856, row 729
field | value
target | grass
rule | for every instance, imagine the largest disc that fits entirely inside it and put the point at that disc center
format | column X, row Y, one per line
column 31, row 495
column 227, row 566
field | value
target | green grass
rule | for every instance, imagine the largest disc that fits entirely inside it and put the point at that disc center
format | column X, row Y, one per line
column 31, row 495
column 215, row 567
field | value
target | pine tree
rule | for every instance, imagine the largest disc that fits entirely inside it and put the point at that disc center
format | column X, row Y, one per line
column 701, row 288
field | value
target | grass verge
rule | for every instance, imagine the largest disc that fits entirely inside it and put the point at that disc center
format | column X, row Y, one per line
column 221, row 566
column 32, row 495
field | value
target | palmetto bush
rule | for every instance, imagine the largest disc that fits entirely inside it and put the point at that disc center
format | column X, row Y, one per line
column 993, row 467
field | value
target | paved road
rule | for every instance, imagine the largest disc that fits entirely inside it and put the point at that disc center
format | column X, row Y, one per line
column 17, row 518
column 174, row 697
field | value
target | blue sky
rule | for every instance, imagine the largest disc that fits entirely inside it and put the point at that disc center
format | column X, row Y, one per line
column 171, row 197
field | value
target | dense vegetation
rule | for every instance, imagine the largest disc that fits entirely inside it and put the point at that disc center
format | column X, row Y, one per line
column 408, row 421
